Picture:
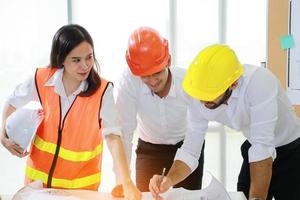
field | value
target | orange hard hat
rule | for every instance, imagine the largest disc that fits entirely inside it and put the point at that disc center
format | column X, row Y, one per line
column 147, row 52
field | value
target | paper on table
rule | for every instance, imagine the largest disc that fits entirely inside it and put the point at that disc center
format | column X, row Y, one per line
column 214, row 191
column 34, row 191
column 176, row 193
column 49, row 195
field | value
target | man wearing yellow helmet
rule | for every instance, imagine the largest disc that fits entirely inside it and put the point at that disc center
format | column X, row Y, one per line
column 152, row 102
column 248, row 99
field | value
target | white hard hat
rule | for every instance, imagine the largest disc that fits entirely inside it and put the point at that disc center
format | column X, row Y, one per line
column 22, row 125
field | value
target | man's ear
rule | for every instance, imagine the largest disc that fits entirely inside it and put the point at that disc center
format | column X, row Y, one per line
column 234, row 85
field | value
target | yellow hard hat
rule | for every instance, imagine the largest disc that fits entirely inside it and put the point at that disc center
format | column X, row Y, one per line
column 212, row 72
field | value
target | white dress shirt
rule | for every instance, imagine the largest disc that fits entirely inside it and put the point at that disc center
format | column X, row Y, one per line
column 26, row 92
column 156, row 120
column 258, row 107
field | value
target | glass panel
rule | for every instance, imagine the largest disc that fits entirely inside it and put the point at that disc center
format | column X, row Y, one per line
column 111, row 22
column 27, row 28
column 197, row 27
column 247, row 26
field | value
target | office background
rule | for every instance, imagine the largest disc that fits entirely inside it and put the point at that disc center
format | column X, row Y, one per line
column 27, row 28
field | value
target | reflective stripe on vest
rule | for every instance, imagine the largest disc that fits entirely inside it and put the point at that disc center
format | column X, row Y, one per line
column 67, row 154
column 56, row 182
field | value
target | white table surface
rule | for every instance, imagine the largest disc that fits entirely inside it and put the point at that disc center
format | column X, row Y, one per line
column 233, row 196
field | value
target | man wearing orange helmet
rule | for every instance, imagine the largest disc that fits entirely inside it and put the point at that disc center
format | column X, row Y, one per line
column 248, row 99
column 152, row 102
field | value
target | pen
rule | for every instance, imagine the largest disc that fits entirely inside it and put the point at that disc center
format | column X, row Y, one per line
column 162, row 175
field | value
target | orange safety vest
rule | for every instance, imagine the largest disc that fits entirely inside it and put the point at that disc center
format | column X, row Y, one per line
column 67, row 152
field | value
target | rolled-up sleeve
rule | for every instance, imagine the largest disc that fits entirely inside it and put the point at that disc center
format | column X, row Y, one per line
column 23, row 93
column 126, row 105
column 190, row 151
column 108, row 113
column 263, row 115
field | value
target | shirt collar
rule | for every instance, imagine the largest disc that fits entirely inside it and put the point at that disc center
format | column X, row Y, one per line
column 56, row 82
column 172, row 91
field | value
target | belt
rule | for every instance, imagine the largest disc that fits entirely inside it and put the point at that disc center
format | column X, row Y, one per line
column 289, row 146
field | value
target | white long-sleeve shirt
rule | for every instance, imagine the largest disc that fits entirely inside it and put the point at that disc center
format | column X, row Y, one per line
column 258, row 107
column 156, row 120
column 26, row 92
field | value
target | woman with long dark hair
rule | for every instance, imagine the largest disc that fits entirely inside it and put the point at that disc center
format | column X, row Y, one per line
column 78, row 108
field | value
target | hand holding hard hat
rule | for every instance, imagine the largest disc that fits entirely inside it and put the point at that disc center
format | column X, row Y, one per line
column 22, row 125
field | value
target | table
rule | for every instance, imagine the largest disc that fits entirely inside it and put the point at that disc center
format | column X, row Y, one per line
column 233, row 196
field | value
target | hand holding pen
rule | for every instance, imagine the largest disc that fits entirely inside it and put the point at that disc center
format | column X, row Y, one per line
column 162, row 176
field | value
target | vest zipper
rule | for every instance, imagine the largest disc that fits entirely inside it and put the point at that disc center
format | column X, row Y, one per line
column 59, row 137
column 58, row 143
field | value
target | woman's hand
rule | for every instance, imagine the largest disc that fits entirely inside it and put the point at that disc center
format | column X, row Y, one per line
column 12, row 147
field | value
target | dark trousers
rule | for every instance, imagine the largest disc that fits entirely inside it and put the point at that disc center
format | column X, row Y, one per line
column 152, row 158
column 285, row 181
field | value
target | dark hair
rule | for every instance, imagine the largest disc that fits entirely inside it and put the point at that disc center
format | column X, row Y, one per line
column 64, row 41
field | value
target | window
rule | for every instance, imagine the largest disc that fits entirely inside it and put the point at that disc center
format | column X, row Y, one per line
column 247, row 30
column 110, row 24
column 27, row 28
column 197, row 27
